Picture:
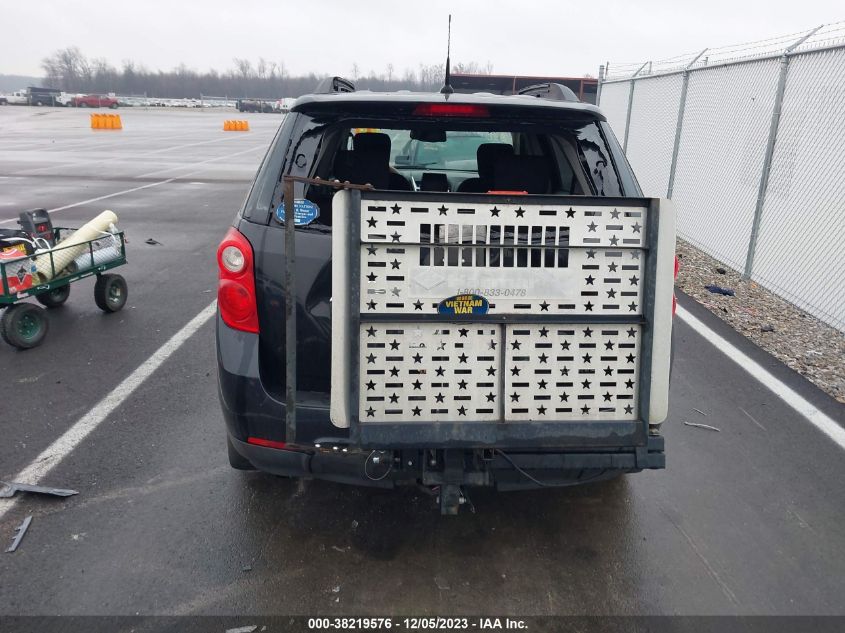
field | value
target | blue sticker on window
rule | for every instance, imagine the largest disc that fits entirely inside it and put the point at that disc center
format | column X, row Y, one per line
column 304, row 212
column 464, row 304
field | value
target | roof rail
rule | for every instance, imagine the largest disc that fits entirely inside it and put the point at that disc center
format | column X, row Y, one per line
column 548, row 90
column 334, row 84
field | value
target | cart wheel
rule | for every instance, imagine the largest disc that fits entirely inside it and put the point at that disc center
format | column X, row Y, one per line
column 54, row 298
column 110, row 293
column 24, row 325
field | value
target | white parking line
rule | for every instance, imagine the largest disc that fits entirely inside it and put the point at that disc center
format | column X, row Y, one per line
column 820, row 420
column 151, row 184
column 51, row 456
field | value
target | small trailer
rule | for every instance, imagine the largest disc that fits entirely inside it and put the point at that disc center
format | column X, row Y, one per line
column 47, row 273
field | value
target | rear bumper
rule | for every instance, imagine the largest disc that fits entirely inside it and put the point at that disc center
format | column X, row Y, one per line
column 250, row 411
column 334, row 463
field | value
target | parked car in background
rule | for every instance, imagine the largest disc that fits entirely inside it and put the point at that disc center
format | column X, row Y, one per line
column 64, row 99
column 255, row 105
column 284, row 105
column 40, row 96
column 94, row 101
column 36, row 96
column 19, row 97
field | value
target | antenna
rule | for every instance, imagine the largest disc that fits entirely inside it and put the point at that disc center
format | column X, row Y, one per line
column 447, row 84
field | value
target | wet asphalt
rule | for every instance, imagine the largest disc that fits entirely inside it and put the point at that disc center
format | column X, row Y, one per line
column 747, row 520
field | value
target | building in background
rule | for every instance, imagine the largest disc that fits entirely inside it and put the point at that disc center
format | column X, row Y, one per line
column 584, row 87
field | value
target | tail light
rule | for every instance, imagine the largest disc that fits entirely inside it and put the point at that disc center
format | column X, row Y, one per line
column 451, row 109
column 674, row 298
column 260, row 441
column 236, row 283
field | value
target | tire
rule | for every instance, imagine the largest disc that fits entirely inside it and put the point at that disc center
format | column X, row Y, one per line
column 24, row 325
column 236, row 460
column 110, row 293
column 113, row 106
column 54, row 298
column 82, row 105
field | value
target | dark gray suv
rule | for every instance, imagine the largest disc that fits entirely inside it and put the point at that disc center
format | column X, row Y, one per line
column 498, row 296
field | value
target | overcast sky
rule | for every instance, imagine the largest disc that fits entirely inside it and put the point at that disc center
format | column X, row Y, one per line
column 540, row 37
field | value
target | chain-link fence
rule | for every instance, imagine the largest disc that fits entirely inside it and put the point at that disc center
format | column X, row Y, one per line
column 749, row 142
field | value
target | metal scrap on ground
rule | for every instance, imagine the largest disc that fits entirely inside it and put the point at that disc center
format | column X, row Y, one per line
column 702, row 426
column 19, row 532
column 9, row 488
column 720, row 291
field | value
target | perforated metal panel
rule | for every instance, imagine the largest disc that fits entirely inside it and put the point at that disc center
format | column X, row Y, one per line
column 573, row 371
column 428, row 371
column 561, row 340
column 525, row 259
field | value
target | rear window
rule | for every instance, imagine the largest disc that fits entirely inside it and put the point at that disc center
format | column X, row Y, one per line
column 458, row 152
column 447, row 156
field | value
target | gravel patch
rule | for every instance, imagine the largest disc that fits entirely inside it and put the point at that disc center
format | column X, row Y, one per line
column 812, row 348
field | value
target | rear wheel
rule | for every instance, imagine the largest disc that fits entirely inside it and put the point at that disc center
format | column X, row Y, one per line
column 54, row 298
column 24, row 325
column 110, row 292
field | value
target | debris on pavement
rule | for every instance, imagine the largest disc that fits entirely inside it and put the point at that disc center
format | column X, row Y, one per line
column 767, row 328
column 794, row 331
column 702, row 426
column 721, row 270
column 699, row 411
column 19, row 532
column 720, row 291
column 9, row 488
column 153, row 242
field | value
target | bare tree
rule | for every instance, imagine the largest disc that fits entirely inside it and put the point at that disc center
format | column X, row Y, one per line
column 71, row 71
column 243, row 67
column 67, row 67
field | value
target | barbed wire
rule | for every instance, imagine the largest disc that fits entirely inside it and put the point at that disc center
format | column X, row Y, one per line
column 827, row 35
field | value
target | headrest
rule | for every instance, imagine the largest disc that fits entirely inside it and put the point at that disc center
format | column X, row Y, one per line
column 372, row 142
column 487, row 155
column 342, row 164
column 522, row 173
column 434, row 181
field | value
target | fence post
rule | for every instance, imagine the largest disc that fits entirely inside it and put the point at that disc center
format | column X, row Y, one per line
column 630, row 105
column 682, row 104
column 770, row 151
column 598, row 88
